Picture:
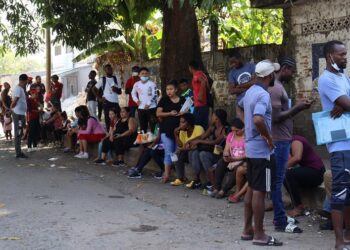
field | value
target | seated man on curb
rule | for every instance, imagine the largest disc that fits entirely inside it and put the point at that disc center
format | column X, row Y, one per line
column 153, row 151
column 305, row 169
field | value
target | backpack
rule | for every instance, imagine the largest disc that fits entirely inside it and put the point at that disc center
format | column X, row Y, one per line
column 119, row 90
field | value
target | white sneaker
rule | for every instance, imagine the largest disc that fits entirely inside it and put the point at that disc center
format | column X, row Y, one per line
column 36, row 149
column 30, row 150
column 84, row 156
column 79, row 155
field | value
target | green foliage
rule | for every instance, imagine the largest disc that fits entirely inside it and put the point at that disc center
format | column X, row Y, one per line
column 11, row 64
column 20, row 31
column 240, row 25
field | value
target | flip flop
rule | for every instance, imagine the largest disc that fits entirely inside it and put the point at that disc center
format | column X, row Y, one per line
column 247, row 237
column 271, row 241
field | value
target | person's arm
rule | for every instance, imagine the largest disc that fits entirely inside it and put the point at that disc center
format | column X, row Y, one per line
column 202, row 89
column 260, row 125
column 162, row 114
column 236, row 89
column 177, row 137
column 3, row 97
column 132, row 124
column 342, row 104
column 96, row 87
column 14, row 102
column 279, row 116
column 296, row 154
column 134, row 94
column 128, row 87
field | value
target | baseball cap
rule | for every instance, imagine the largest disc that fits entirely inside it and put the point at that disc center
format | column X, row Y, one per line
column 265, row 68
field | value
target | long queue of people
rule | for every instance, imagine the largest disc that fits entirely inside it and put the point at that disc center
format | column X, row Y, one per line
column 257, row 152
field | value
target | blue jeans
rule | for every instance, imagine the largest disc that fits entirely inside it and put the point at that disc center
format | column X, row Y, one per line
column 201, row 116
column 281, row 155
column 169, row 148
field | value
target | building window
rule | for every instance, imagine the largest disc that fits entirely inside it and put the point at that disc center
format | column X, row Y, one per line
column 58, row 50
column 69, row 49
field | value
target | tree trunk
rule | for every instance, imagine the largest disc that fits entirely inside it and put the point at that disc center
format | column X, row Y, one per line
column 180, row 42
column 48, row 58
column 214, row 34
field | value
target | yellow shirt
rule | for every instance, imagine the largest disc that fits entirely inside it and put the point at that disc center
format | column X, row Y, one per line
column 197, row 131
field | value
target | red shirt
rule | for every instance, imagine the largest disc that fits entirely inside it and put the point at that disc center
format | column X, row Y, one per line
column 128, row 88
column 33, row 105
column 59, row 87
column 196, row 86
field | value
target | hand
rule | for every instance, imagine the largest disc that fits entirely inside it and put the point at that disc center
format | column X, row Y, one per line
column 173, row 113
column 303, row 105
column 337, row 111
column 177, row 131
column 269, row 142
column 146, row 107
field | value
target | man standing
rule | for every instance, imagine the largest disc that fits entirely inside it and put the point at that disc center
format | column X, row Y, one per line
column 56, row 89
column 91, row 98
column 111, row 88
column 259, row 147
column 200, row 88
column 334, row 90
column 19, row 109
column 144, row 93
column 240, row 79
column 128, row 88
column 282, row 132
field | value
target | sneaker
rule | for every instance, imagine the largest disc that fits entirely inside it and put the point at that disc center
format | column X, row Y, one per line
column 100, row 161
column 85, row 155
column 194, row 185
column 21, row 156
column 135, row 175
column 122, row 164
column 158, row 175
column 29, row 150
column 78, row 155
column 289, row 228
column 67, row 150
column 119, row 164
column 36, row 149
column 177, row 182
column 115, row 163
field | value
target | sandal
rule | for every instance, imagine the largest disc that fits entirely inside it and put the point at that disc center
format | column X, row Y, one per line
column 271, row 241
column 290, row 228
column 233, row 199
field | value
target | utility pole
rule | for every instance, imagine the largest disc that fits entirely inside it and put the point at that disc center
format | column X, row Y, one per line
column 48, row 57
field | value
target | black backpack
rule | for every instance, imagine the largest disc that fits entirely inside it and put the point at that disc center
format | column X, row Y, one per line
column 119, row 90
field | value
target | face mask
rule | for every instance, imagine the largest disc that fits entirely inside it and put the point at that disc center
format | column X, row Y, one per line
column 135, row 74
column 334, row 65
column 144, row 78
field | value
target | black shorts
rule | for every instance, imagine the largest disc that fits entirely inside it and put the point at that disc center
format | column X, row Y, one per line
column 261, row 173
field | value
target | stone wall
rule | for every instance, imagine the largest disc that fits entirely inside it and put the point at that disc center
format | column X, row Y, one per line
column 308, row 26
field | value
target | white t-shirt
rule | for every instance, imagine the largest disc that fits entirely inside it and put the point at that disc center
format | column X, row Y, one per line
column 108, row 93
column 146, row 93
column 21, row 106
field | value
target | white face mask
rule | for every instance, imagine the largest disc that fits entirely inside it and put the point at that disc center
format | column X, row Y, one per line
column 135, row 74
column 334, row 65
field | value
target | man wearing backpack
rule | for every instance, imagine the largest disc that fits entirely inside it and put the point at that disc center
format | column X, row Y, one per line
column 111, row 88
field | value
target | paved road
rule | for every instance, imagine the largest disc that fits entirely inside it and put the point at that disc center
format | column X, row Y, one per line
column 73, row 204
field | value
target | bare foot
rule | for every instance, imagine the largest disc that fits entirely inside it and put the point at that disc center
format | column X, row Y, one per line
column 298, row 211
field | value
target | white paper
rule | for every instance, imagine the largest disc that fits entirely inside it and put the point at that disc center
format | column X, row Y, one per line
column 187, row 105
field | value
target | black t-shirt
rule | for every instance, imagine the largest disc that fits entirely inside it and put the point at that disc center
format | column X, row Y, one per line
column 168, row 124
column 90, row 95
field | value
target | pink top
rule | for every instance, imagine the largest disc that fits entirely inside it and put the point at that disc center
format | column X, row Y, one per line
column 7, row 123
column 93, row 127
column 237, row 146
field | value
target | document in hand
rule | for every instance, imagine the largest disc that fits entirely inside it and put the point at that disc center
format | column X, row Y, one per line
column 331, row 130
column 187, row 105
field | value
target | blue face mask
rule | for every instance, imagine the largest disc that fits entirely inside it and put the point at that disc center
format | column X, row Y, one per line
column 144, row 78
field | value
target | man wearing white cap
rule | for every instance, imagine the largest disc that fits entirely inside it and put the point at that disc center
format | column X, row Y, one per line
column 282, row 132
column 259, row 147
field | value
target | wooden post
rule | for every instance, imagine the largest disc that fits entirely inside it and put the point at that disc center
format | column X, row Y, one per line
column 48, row 58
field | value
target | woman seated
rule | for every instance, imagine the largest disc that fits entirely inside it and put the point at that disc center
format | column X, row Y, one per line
column 186, row 133
column 72, row 131
column 203, row 157
column 305, row 170
column 90, row 130
column 121, row 137
column 153, row 151
column 233, row 160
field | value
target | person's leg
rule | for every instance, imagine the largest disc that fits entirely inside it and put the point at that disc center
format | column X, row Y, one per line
column 201, row 116
column 151, row 117
column 83, row 146
column 18, row 132
column 281, row 153
column 180, row 165
column 31, row 134
column 194, row 161
column 169, row 149
column 37, row 132
column 207, row 160
column 143, row 120
column 132, row 111
column 240, row 181
column 158, row 157
column 99, row 109
column 145, row 157
column 258, row 208
column 248, row 230
column 338, row 198
column 106, row 108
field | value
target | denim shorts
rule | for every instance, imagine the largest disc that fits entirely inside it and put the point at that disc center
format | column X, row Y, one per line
column 340, row 166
